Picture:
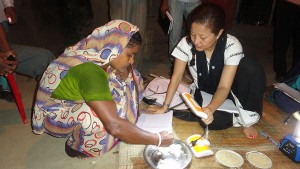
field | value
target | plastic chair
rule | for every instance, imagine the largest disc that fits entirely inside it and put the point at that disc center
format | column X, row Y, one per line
column 17, row 95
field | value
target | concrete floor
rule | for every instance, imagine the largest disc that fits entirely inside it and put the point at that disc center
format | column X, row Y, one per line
column 21, row 149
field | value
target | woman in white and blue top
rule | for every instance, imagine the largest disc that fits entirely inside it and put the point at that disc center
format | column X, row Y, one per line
column 217, row 64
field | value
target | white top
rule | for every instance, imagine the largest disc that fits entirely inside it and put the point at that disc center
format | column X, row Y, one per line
column 4, row 4
column 232, row 56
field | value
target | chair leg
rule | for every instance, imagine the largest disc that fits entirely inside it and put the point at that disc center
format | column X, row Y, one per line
column 14, row 88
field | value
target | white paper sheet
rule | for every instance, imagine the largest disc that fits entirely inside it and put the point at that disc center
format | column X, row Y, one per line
column 227, row 106
column 155, row 123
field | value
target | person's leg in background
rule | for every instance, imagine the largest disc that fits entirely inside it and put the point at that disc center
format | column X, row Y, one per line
column 295, row 13
column 32, row 60
column 115, row 9
column 281, row 38
column 179, row 11
column 138, row 17
column 189, row 6
column 176, row 11
column 294, row 70
column 135, row 12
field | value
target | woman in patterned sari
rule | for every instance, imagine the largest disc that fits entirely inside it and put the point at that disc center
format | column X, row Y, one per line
column 90, row 94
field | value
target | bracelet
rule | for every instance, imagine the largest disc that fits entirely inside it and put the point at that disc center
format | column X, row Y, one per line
column 159, row 139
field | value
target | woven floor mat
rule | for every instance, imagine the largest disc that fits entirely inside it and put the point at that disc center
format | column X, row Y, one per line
column 131, row 156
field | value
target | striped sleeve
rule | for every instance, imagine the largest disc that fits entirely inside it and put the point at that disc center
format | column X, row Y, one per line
column 233, row 51
column 182, row 51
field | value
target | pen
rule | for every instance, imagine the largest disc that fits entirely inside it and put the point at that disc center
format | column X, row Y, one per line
column 296, row 115
column 288, row 119
column 265, row 135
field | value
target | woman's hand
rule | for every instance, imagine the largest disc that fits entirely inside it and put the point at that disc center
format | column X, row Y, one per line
column 123, row 129
column 210, row 117
column 7, row 66
column 154, row 109
column 11, row 15
column 166, row 138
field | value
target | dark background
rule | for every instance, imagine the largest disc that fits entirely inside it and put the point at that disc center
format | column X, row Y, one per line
column 55, row 24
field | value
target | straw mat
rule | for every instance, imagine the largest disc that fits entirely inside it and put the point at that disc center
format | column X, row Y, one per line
column 131, row 156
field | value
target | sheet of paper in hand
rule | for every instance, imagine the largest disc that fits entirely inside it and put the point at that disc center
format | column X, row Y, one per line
column 157, row 89
column 155, row 123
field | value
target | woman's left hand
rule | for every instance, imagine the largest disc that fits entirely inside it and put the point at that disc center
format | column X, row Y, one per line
column 210, row 117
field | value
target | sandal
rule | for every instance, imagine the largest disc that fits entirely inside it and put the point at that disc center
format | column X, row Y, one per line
column 73, row 153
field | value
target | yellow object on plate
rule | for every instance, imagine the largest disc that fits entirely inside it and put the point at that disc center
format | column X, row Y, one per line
column 201, row 148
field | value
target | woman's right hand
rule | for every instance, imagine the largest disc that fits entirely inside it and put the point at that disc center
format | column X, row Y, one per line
column 11, row 15
column 6, row 66
column 166, row 138
column 155, row 109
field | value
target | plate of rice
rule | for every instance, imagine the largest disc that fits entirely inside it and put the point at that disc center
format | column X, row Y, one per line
column 259, row 160
column 229, row 158
column 176, row 156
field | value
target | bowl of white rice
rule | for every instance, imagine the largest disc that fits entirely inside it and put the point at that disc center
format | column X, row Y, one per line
column 229, row 159
column 176, row 156
column 259, row 160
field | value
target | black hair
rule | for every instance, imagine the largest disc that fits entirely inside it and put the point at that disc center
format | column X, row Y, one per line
column 136, row 39
column 207, row 13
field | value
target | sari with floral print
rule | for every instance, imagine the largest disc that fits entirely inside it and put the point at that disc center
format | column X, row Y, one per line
column 75, row 119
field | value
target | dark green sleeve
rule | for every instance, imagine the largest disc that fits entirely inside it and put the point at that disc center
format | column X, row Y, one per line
column 86, row 82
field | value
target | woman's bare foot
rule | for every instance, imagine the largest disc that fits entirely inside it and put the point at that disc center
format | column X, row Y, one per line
column 250, row 132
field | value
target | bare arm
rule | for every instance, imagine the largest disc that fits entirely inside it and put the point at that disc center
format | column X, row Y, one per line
column 179, row 69
column 164, row 7
column 123, row 129
column 5, row 51
column 222, row 92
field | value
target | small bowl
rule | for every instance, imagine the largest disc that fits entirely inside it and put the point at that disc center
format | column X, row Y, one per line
column 229, row 158
column 176, row 156
column 259, row 160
